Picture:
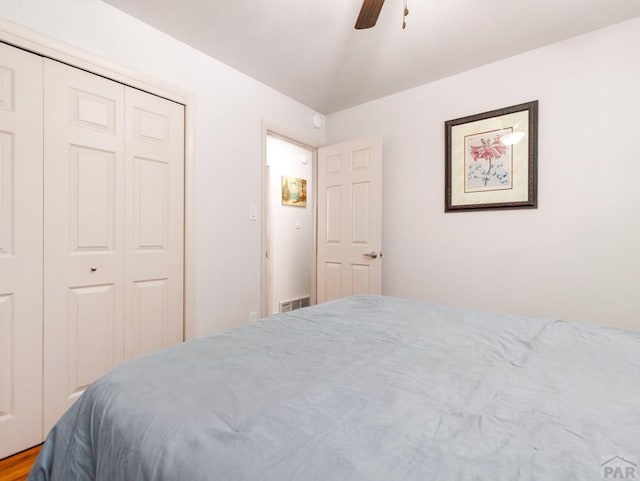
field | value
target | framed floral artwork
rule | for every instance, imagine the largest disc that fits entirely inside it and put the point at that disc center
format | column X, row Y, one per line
column 491, row 159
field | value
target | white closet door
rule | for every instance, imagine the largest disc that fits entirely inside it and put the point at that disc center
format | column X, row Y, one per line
column 20, row 250
column 84, row 238
column 154, row 198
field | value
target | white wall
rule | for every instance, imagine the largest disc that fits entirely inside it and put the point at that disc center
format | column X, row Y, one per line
column 577, row 257
column 230, row 109
column 291, row 230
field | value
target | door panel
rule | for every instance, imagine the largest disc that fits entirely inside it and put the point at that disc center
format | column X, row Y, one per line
column 332, row 277
column 7, row 355
column 150, row 329
column 360, row 216
column 20, row 250
column 350, row 219
column 333, row 215
column 150, row 204
column 92, row 185
column 154, row 196
column 84, row 237
column 91, row 322
column 361, row 279
column 91, row 111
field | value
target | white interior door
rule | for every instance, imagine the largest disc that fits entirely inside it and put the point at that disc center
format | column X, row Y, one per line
column 20, row 250
column 350, row 219
column 154, row 199
column 84, row 239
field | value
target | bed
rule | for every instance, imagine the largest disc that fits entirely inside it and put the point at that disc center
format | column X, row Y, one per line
column 363, row 388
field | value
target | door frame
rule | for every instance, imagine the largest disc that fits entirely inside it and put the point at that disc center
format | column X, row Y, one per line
column 45, row 46
column 269, row 128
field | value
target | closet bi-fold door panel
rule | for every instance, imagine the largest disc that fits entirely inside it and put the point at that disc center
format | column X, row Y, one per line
column 20, row 250
column 154, row 219
column 84, row 233
column 114, row 214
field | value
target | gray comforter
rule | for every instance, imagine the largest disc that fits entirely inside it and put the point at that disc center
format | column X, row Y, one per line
column 364, row 388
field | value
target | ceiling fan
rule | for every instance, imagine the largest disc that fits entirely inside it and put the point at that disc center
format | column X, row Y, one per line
column 370, row 11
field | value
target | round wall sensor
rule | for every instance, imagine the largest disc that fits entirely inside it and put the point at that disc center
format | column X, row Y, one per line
column 316, row 120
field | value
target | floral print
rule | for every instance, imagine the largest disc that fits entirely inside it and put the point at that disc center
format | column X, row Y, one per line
column 486, row 167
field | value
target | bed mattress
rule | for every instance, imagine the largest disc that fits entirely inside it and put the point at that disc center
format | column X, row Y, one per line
column 363, row 388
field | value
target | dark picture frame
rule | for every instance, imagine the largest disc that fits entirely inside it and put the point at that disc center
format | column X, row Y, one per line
column 491, row 160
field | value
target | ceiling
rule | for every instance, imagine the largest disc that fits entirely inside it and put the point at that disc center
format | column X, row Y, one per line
column 309, row 50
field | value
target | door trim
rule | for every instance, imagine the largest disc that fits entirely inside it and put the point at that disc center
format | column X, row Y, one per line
column 269, row 128
column 45, row 46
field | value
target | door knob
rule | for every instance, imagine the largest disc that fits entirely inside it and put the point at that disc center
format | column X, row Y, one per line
column 373, row 255
column 93, row 269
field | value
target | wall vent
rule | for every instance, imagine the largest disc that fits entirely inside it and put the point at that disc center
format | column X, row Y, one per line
column 292, row 305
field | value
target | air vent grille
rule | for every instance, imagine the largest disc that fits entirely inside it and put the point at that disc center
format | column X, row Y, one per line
column 292, row 305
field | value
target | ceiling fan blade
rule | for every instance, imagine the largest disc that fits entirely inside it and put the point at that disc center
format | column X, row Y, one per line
column 369, row 14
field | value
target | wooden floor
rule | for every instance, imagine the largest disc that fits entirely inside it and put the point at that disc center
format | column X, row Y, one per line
column 16, row 468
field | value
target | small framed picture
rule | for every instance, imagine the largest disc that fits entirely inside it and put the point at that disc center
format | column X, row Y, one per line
column 491, row 159
column 294, row 191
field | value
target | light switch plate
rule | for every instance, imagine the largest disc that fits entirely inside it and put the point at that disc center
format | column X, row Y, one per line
column 253, row 212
